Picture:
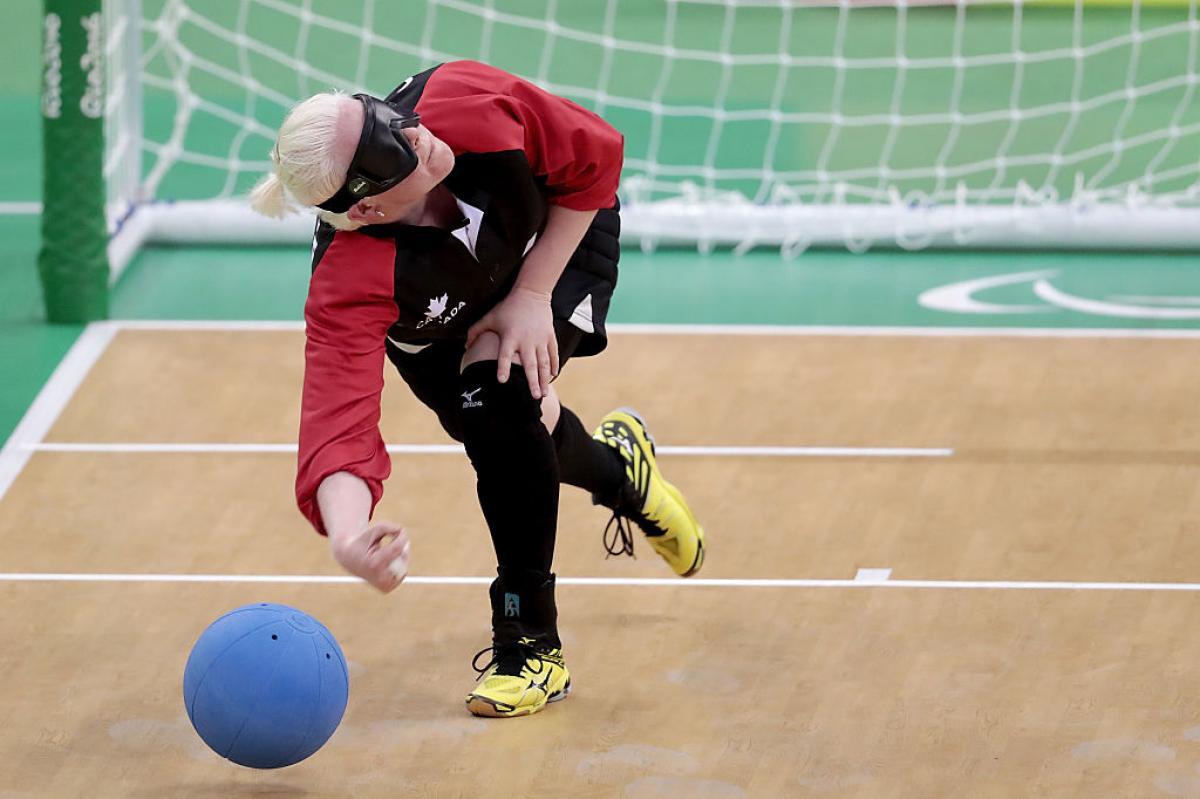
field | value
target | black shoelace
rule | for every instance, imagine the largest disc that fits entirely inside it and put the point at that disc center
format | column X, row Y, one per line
column 509, row 659
column 618, row 540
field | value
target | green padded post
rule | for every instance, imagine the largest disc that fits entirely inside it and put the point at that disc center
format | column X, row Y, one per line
column 73, row 261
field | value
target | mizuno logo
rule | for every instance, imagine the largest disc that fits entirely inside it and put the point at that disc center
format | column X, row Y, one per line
column 469, row 400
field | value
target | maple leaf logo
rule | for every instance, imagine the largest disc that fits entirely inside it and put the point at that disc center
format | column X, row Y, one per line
column 437, row 306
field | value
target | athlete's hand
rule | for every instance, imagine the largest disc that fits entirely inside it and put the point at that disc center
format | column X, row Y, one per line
column 525, row 325
column 372, row 553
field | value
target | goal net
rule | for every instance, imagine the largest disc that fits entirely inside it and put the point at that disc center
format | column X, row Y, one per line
column 1064, row 123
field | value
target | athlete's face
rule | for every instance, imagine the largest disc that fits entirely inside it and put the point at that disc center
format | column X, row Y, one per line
column 434, row 162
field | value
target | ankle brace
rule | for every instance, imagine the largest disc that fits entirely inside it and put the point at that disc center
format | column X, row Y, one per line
column 523, row 607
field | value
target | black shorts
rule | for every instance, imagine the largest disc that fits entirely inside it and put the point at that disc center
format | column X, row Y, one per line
column 432, row 373
column 584, row 291
column 579, row 303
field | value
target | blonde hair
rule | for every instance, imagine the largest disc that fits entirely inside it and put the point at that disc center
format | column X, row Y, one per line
column 306, row 170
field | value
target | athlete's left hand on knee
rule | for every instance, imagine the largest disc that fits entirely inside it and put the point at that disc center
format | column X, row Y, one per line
column 525, row 325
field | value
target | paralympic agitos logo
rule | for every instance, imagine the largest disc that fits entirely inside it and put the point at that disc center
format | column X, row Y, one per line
column 961, row 298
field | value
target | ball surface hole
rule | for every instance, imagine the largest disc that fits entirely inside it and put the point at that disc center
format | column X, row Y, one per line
column 274, row 637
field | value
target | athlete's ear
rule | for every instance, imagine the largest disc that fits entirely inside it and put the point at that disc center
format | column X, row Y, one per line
column 359, row 212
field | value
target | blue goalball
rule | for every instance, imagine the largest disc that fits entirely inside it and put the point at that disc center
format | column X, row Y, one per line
column 265, row 685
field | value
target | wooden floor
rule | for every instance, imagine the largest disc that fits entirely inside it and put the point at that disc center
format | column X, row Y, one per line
column 1074, row 459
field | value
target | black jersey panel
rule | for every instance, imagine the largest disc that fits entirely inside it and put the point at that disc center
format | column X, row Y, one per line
column 405, row 96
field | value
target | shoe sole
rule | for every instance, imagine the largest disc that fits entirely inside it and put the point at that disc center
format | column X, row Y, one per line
column 698, row 561
column 482, row 706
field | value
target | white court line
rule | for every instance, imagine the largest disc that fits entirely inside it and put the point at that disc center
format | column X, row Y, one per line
column 915, row 332
column 51, row 400
column 20, row 208
column 268, row 325
column 739, row 330
column 607, row 582
column 456, row 449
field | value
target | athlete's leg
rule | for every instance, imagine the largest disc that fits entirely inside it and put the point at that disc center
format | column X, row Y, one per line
column 647, row 499
column 582, row 460
column 516, row 472
column 513, row 454
column 432, row 376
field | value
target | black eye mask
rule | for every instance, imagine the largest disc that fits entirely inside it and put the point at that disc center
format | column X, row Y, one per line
column 384, row 156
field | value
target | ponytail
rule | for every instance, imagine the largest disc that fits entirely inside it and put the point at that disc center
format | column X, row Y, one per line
column 269, row 197
column 305, row 170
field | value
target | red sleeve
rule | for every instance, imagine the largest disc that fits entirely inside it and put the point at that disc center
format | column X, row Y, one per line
column 349, row 310
column 476, row 108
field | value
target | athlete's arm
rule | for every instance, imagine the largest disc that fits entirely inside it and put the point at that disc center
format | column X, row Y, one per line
column 579, row 156
column 481, row 109
column 349, row 309
column 343, row 461
column 523, row 319
column 364, row 550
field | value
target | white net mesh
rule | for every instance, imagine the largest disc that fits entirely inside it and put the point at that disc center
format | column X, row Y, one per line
column 746, row 121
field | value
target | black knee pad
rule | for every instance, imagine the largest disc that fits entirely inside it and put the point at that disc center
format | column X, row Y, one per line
column 493, row 413
column 516, row 468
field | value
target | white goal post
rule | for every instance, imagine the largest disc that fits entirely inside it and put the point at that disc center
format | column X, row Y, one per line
column 784, row 123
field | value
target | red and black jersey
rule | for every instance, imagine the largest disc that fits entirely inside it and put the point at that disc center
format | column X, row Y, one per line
column 517, row 148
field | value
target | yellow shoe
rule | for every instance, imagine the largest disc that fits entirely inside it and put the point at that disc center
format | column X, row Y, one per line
column 520, row 679
column 651, row 502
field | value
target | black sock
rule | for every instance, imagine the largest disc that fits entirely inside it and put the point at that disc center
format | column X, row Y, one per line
column 523, row 607
column 515, row 464
column 585, row 462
